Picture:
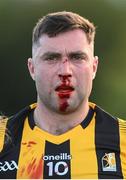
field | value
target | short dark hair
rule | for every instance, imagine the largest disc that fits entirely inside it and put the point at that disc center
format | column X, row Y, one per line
column 55, row 23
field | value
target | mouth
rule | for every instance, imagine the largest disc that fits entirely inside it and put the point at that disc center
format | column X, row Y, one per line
column 64, row 91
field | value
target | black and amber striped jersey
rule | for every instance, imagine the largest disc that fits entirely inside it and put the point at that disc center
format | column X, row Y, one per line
column 96, row 148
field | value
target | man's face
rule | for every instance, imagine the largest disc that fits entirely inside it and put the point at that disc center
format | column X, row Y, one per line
column 63, row 68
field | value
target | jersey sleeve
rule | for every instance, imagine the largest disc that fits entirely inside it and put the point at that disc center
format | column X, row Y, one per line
column 122, row 129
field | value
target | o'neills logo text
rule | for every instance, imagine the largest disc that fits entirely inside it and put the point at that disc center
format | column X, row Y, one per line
column 61, row 156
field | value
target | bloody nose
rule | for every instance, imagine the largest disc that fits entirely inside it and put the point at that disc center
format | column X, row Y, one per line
column 65, row 78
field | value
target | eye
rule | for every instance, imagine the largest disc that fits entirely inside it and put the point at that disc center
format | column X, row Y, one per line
column 78, row 57
column 52, row 58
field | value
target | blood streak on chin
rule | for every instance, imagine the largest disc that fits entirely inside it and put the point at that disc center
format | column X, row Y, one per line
column 63, row 105
column 63, row 98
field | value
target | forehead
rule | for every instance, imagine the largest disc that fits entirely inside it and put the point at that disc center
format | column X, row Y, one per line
column 74, row 40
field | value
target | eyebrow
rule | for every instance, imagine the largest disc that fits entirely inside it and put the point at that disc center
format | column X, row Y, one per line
column 49, row 53
column 81, row 53
column 56, row 54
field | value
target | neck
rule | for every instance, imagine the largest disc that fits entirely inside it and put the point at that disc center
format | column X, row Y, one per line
column 57, row 124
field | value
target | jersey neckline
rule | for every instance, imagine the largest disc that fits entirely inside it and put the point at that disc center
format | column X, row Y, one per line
column 80, row 126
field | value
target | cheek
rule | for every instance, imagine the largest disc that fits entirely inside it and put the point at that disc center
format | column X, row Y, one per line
column 84, row 77
column 44, row 78
column 40, row 78
column 40, row 73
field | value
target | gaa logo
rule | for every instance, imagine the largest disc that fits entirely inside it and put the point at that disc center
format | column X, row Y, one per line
column 5, row 166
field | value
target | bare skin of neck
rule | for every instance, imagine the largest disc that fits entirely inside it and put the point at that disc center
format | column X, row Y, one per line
column 58, row 124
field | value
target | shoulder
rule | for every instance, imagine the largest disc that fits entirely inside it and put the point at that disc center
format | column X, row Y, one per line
column 103, row 115
column 105, row 122
column 11, row 128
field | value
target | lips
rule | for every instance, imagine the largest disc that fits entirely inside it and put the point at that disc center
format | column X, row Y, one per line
column 64, row 88
column 64, row 91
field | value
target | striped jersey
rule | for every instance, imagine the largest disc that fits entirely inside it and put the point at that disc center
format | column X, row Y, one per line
column 96, row 148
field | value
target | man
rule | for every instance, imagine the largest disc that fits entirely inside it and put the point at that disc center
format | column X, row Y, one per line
column 63, row 136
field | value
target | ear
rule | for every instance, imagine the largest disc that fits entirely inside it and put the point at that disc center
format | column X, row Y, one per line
column 31, row 68
column 95, row 66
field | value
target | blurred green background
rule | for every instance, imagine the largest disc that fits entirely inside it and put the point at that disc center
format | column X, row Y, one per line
column 17, row 19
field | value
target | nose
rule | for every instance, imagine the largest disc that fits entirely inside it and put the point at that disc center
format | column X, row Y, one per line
column 65, row 68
